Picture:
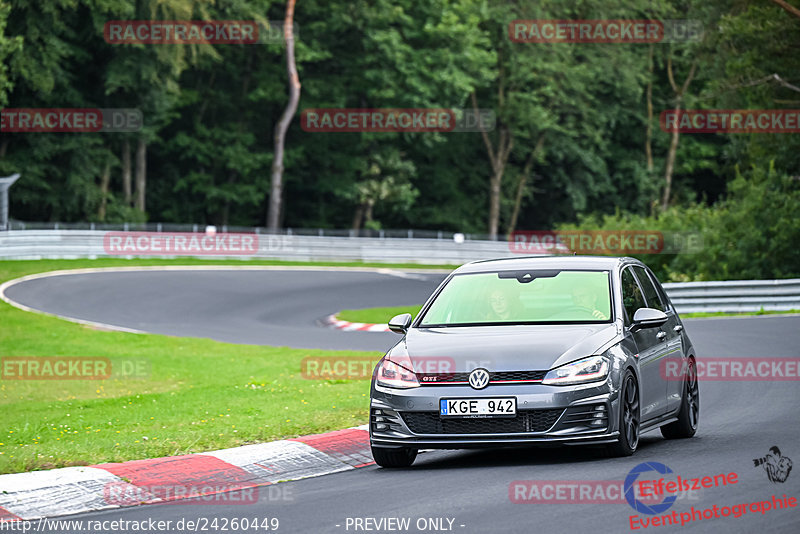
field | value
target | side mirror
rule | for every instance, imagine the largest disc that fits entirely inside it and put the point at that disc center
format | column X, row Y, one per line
column 399, row 323
column 648, row 318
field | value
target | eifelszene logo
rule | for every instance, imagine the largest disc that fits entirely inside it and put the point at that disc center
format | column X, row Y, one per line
column 638, row 505
column 777, row 467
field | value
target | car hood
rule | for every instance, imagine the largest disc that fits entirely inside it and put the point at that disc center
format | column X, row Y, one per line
column 504, row 348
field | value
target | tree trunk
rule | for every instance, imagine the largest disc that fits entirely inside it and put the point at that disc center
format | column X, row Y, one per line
column 523, row 179
column 494, row 202
column 498, row 157
column 3, row 148
column 368, row 211
column 276, row 188
column 126, row 171
column 673, row 150
column 648, row 145
column 512, row 224
column 105, row 179
column 358, row 216
column 680, row 93
column 788, row 7
column 141, row 173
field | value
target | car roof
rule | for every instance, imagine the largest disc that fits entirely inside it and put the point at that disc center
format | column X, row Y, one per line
column 598, row 263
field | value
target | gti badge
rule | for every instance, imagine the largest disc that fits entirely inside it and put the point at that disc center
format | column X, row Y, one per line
column 479, row 378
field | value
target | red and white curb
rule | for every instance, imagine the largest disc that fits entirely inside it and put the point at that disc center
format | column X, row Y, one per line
column 333, row 322
column 189, row 479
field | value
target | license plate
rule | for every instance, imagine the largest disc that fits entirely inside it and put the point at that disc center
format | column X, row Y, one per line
column 480, row 407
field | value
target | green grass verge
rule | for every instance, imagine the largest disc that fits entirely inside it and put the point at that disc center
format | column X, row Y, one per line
column 197, row 394
column 376, row 315
column 382, row 315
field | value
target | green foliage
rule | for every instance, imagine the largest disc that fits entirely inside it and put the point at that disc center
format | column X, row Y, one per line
column 753, row 234
column 8, row 47
column 210, row 113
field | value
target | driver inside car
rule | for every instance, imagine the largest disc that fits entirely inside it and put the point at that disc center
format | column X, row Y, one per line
column 586, row 299
column 503, row 306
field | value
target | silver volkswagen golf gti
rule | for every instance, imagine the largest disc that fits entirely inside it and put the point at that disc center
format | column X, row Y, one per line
column 545, row 350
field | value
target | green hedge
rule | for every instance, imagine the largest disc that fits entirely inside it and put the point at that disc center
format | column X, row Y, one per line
column 753, row 234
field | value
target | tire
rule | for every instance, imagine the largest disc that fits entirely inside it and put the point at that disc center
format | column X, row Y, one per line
column 689, row 414
column 629, row 418
column 403, row 457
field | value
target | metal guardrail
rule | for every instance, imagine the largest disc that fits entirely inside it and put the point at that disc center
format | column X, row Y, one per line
column 730, row 296
column 40, row 244
column 182, row 227
column 735, row 295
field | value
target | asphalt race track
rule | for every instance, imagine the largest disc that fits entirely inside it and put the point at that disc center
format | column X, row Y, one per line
column 740, row 420
column 256, row 307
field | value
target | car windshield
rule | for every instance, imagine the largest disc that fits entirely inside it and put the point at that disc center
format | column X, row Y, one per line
column 522, row 297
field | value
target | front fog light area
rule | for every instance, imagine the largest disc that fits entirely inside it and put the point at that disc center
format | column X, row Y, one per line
column 383, row 420
column 599, row 417
column 583, row 418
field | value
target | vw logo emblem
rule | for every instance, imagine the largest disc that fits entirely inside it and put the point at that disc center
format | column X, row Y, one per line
column 479, row 378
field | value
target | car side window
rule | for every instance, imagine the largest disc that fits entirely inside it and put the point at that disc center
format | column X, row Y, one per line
column 632, row 298
column 662, row 294
column 650, row 293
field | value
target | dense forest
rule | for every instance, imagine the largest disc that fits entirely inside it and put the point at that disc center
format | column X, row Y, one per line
column 576, row 143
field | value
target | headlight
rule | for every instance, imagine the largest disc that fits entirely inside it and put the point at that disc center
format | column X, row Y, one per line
column 397, row 373
column 586, row 370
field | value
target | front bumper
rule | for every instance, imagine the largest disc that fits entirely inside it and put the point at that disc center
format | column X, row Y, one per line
column 568, row 415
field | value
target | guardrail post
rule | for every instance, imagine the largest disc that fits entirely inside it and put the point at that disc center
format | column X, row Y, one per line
column 5, row 184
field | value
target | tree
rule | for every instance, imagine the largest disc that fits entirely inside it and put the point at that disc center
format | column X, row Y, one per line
column 680, row 94
column 276, row 190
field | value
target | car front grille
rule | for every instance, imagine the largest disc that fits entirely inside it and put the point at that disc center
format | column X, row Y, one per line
column 524, row 421
column 496, row 377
